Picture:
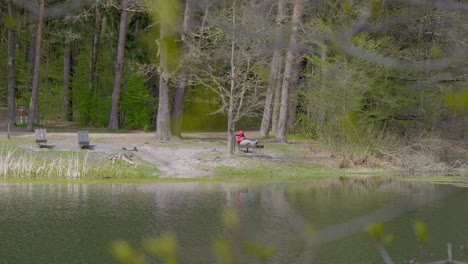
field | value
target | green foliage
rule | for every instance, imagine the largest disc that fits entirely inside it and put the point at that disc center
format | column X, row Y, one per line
column 92, row 107
column 164, row 247
column 420, row 229
column 231, row 218
column 126, row 254
column 334, row 104
column 10, row 22
column 199, row 106
column 51, row 85
column 343, row 101
column 262, row 253
column 223, row 250
column 137, row 104
column 81, row 93
column 436, row 52
column 458, row 101
column 350, row 102
column 376, row 231
column 168, row 16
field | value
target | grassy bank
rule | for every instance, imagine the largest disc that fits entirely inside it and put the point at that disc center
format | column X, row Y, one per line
column 21, row 160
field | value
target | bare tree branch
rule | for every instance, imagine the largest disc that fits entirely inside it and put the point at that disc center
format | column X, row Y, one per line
column 344, row 42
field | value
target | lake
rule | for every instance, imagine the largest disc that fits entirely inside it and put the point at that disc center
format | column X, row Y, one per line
column 76, row 223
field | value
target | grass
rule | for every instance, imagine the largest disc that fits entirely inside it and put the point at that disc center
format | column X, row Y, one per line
column 285, row 173
column 274, row 173
column 300, row 160
column 17, row 163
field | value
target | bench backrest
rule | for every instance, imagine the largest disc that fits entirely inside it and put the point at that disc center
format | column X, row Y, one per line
column 41, row 135
column 83, row 138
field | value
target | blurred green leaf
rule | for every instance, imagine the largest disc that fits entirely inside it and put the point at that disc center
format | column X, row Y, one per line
column 376, row 231
column 164, row 247
column 11, row 22
column 311, row 229
column 376, row 9
column 259, row 251
column 420, row 230
column 458, row 101
column 223, row 251
column 126, row 254
column 231, row 218
column 436, row 52
column 388, row 240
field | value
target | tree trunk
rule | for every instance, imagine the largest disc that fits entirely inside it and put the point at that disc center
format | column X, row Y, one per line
column 31, row 50
column 94, row 48
column 154, row 91
column 179, row 94
column 163, row 122
column 67, row 85
column 34, row 107
column 288, row 68
column 230, row 134
column 11, row 69
column 114, row 120
column 178, row 105
column 294, row 82
column 231, row 116
column 277, row 96
column 274, row 72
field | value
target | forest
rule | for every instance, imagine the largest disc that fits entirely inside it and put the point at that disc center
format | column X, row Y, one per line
column 360, row 73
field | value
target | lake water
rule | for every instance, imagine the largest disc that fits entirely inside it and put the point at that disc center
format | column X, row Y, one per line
column 76, row 223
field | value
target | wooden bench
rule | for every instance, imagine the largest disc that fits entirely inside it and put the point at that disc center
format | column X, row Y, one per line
column 83, row 139
column 41, row 137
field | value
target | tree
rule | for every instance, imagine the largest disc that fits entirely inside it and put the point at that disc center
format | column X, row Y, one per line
column 181, row 83
column 288, row 68
column 277, row 97
column 34, row 106
column 95, row 46
column 234, row 78
column 168, row 15
column 67, row 76
column 274, row 71
column 11, row 64
column 114, row 120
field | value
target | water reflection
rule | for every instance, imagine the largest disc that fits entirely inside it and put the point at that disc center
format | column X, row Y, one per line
column 75, row 223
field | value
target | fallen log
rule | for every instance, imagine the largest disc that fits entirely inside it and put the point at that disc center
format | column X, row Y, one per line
column 123, row 157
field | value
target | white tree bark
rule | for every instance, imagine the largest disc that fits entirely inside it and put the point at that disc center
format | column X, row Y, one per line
column 288, row 68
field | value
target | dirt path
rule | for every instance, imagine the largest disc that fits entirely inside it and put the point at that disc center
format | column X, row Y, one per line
column 180, row 159
column 178, row 162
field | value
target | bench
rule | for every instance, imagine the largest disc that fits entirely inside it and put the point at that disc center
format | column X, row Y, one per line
column 246, row 148
column 83, row 139
column 41, row 137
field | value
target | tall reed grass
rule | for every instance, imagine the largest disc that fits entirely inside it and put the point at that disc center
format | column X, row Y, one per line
column 15, row 165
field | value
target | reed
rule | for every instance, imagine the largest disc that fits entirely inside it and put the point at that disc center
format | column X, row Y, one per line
column 15, row 165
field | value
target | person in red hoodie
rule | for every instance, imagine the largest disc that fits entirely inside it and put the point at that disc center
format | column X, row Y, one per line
column 242, row 140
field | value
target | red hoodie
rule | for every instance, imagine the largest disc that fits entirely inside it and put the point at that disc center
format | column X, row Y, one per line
column 240, row 136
